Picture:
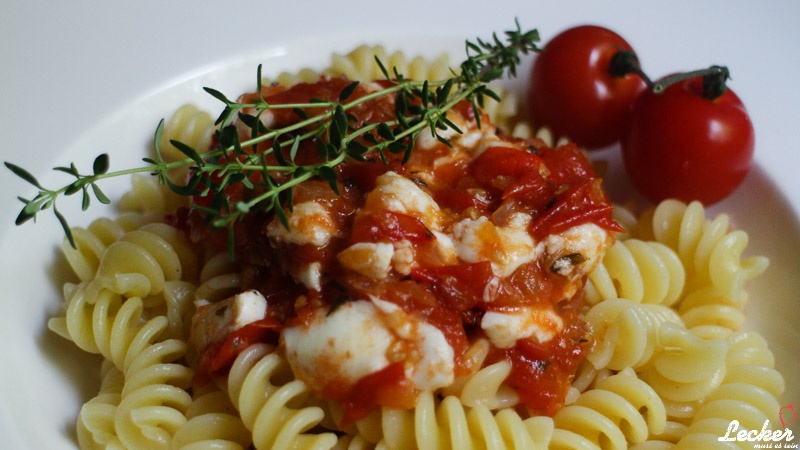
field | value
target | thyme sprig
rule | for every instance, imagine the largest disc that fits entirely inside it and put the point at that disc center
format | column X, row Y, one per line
column 419, row 105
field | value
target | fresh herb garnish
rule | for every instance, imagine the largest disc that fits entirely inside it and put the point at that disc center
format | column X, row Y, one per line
column 419, row 105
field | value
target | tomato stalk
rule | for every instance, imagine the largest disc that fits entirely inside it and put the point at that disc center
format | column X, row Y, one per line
column 714, row 79
column 626, row 62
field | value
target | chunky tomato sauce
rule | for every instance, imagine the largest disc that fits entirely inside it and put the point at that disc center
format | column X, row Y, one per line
column 497, row 178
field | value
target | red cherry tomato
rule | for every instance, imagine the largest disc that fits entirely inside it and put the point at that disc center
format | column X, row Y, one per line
column 576, row 91
column 683, row 145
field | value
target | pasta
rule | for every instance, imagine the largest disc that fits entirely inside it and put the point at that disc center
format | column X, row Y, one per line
column 620, row 410
column 710, row 252
column 263, row 390
column 642, row 271
column 667, row 365
column 626, row 332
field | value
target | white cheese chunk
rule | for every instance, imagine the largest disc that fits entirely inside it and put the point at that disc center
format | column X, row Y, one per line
column 575, row 252
column 436, row 368
column 506, row 247
column 347, row 344
column 310, row 276
column 505, row 328
column 309, row 223
column 364, row 336
column 214, row 321
column 396, row 193
column 371, row 259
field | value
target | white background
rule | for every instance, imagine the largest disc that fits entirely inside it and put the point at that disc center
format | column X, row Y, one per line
column 67, row 66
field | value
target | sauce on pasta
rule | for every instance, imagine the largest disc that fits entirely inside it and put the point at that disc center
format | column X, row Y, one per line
column 490, row 237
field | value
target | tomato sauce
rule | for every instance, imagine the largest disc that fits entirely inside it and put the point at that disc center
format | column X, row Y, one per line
column 557, row 188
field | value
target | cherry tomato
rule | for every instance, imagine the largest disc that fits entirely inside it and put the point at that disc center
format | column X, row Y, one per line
column 683, row 145
column 583, row 84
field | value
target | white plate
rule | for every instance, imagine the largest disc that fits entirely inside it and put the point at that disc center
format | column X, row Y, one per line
column 44, row 379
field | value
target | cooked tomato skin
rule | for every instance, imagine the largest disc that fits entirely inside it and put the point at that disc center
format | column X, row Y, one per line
column 542, row 372
column 572, row 89
column 218, row 358
column 682, row 145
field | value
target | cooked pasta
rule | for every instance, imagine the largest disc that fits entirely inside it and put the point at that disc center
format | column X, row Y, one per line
column 647, row 272
column 219, row 279
column 710, row 251
column 620, row 410
column 95, row 427
column 485, row 384
column 449, row 424
column 683, row 391
column 666, row 364
column 189, row 125
column 147, row 195
column 749, row 394
column 626, row 332
column 264, row 391
column 211, row 422
column 710, row 314
column 91, row 242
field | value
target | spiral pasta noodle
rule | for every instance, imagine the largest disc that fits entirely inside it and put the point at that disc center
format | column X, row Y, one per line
column 152, row 397
column 620, row 410
column 449, row 424
column 684, row 390
column 92, row 241
column 270, row 401
column 710, row 251
column 710, row 314
column 147, row 195
column 485, row 384
column 642, row 271
column 211, row 422
column 626, row 332
column 748, row 394
column 191, row 126
column 95, row 425
column 218, row 279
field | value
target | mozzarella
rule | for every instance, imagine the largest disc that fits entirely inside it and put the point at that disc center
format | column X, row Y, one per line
column 214, row 321
column 309, row 223
column 507, row 247
column 364, row 336
column 310, row 276
column 405, row 253
column 370, row 259
column 436, row 368
column 505, row 328
column 396, row 193
column 348, row 344
column 404, row 259
column 587, row 240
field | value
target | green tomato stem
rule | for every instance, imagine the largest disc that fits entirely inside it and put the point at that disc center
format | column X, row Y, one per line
column 625, row 62
column 714, row 79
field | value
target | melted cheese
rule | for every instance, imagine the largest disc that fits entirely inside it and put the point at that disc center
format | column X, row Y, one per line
column 214, row 321
column 505, row 328
column 506, row 247
column 309, row 223
column 588, row 240
column 370, row 259
column 396, row 193
column 363, row 337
